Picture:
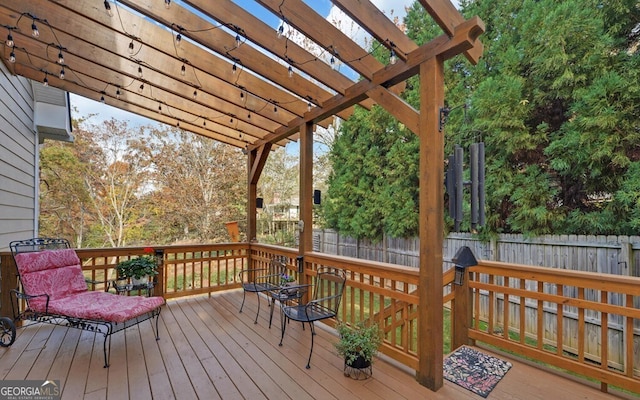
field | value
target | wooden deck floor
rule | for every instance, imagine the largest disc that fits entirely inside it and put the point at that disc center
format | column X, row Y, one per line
column 208, row 350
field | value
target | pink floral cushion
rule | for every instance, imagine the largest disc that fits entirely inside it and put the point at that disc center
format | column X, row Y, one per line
column 58, row 274
column 54, row 272
column 102, row 306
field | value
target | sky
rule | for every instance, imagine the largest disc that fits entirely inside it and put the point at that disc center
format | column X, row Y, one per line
column 85, row 107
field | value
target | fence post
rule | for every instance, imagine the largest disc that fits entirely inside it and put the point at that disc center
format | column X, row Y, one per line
column 158, row 289
column 462, row 308
column 462, row 314
column 8, row 281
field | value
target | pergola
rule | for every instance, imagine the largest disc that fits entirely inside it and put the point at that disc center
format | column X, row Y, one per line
column 213, row 68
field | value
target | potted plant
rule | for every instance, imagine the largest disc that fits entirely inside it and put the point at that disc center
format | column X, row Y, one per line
column 358, row 344
column 139, row 269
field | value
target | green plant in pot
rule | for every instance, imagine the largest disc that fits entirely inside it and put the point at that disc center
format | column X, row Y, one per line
column 137, row 268
column 358, row 344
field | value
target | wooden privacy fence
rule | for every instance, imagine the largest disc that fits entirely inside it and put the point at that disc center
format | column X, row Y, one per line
column 587, row 323
column 618, row 255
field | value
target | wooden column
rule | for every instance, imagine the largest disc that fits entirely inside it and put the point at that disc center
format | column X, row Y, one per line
column 306, row 191
column 252, row 190
column 431, row 226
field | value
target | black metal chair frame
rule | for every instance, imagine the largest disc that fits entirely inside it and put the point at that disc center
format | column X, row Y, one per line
column 327, row 294
column 261, row 280
column 105, row 328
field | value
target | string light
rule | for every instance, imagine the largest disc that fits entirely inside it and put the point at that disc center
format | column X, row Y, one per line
column 183, row 70
column 204, row 123
column 238, row 40
column 9, row 41
column 118, row 93
column 195, row 94
column 34, row 30
column 61, row 75
column 392, row 57
column 290, row 71
column 139, row 71
column 159, row 108
column 141, row 87
column 12, row 56
column 178, row 39
column 167, row 4
column 275, row 109
column 45, row 82
column 102, row 97
column 332, row 62
column 107, row 7
column 131, row 47
column 309, row 106
column 60, row 57
column 280, row 30
column 234, row 68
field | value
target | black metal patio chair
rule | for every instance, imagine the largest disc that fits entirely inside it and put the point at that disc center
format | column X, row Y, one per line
column 258, row 280
column 327, row 294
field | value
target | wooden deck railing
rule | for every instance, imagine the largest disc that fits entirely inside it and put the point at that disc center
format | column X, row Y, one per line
column 576, row 321
column 383, row 293
column 586, row 323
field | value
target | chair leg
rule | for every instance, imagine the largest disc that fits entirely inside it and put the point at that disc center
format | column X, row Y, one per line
column 244, row 292
column 313, row 333
column 283, row 325
column 257, row 312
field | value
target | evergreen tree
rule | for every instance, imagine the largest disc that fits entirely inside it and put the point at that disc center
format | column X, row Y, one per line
column 554, row 99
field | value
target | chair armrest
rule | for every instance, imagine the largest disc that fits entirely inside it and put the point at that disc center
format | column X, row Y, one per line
column 93, row 284
column 248, row 271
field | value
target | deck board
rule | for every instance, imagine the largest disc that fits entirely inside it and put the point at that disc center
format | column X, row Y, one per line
column 208, row 350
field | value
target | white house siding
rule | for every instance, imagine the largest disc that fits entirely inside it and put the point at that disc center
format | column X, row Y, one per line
column 18, row 159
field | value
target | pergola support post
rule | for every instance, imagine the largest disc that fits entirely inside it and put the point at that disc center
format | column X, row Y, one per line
column 431, row 226
column 306, row 193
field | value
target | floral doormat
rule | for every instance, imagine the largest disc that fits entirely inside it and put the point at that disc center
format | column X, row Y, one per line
column 474, row 371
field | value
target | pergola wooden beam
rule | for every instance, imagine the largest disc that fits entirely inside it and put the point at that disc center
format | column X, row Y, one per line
column 449, row 18
column 332, row 39
column 377, row 25
column 444, row 47
column 159, row 41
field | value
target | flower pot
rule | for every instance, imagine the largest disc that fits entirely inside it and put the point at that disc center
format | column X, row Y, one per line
column 358, row 363
column 140, row 281
column 358, row 369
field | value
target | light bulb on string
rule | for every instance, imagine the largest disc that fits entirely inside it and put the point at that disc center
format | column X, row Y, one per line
column 102, row 99
column 178, row 39
column 280, row 30
column 392, row 57
column 238, row 40
column 9, row 41
column 309, row 106
column 290, row 71
column 234, row 69
column 332, row 62
column 34, row 30
column 139, row 71
column 183, row 70
column 141, row 87
column 61, row 75
column 12, row 57
column 45, row 82
column 118, row 93
column 131, row 47
column 195, row 94
column 60, row 57
column 167, row 4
